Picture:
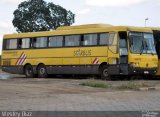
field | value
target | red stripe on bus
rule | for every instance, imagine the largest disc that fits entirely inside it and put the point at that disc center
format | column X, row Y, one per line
column 23, row 59
column 19, row 58
column 97, row 62
column 94, row 60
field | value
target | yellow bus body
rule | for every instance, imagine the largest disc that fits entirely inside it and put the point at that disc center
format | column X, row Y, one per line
column 79, row 59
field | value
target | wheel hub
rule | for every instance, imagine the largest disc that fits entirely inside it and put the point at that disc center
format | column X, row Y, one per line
column 105, row 72
column 29, row 71
column 42, row 71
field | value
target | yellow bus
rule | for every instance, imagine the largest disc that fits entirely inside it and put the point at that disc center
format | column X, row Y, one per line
column 97, row 49
column 156, row 33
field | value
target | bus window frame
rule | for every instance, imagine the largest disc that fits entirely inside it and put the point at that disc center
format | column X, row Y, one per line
column 56, row 46
column 63, row 45
column 5, row 42
column 19, row 48
column 64, row 37
column 32, row 44
column 89, row 45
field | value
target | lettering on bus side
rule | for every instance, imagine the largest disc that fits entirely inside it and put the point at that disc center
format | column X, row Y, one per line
column 80, row 52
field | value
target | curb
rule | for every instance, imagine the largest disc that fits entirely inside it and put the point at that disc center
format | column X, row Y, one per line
column 149, row 89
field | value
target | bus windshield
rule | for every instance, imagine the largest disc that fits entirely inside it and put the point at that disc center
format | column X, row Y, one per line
column 142, row 43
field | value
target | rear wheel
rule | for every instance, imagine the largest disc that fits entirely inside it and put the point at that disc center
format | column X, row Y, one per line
column 104, row 73
column 42, row 71
column 28, row 71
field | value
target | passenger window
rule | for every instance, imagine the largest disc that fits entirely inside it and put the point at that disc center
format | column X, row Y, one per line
column 72, row 40
column 90, row 39
column 104, row 39
column 11, row 44
column 40, row 42
column 24, row 43
column 56, row 41
column 111, row 38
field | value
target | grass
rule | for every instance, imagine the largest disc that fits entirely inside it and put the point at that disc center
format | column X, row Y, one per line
column 129, row 86
column 97, row 84
column 121, row 86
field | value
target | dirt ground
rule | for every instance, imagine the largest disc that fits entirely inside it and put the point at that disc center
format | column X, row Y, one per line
column 20, row 93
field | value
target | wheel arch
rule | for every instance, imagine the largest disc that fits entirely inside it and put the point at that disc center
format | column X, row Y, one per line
column 101, row 66
column 39, row 65
column 45, row 73
column 25, row 67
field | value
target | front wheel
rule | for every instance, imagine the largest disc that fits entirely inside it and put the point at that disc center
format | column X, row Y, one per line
column 28, row 71
column 104, row 73
column 42, row 71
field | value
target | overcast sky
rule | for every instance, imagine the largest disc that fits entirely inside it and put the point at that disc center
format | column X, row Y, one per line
column 115, row 12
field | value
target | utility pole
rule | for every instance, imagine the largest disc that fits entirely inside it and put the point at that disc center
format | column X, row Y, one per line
column 146, row 21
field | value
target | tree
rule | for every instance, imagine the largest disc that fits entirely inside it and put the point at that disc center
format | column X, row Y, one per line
column 37, row 15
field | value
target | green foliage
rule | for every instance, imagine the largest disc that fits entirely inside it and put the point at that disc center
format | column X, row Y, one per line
column 116, row 85
column 97, row 84
column 37, row 15
column 129, row 86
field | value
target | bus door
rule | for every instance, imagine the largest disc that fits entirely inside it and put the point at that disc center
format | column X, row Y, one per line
column 123, row 53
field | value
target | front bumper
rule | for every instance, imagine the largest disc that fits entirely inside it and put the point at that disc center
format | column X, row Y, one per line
column 142, row 71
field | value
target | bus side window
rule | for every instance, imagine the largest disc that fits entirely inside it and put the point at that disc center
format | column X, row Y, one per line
column 56, row 41
column 112, row 42
column 25, row 43
column 72, row 40
column 111, row 38
column 90, row 40
column 104, row 39
column 107, row 38
column 40, row 42
column 11, row 44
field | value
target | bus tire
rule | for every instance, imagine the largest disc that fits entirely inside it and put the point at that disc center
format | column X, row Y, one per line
column 42, row 71
column 104, row 73
column 28, row 71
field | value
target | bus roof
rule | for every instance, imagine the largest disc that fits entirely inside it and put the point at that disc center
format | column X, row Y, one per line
column 155, row 28
column 81, row 29
column 87, row 26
